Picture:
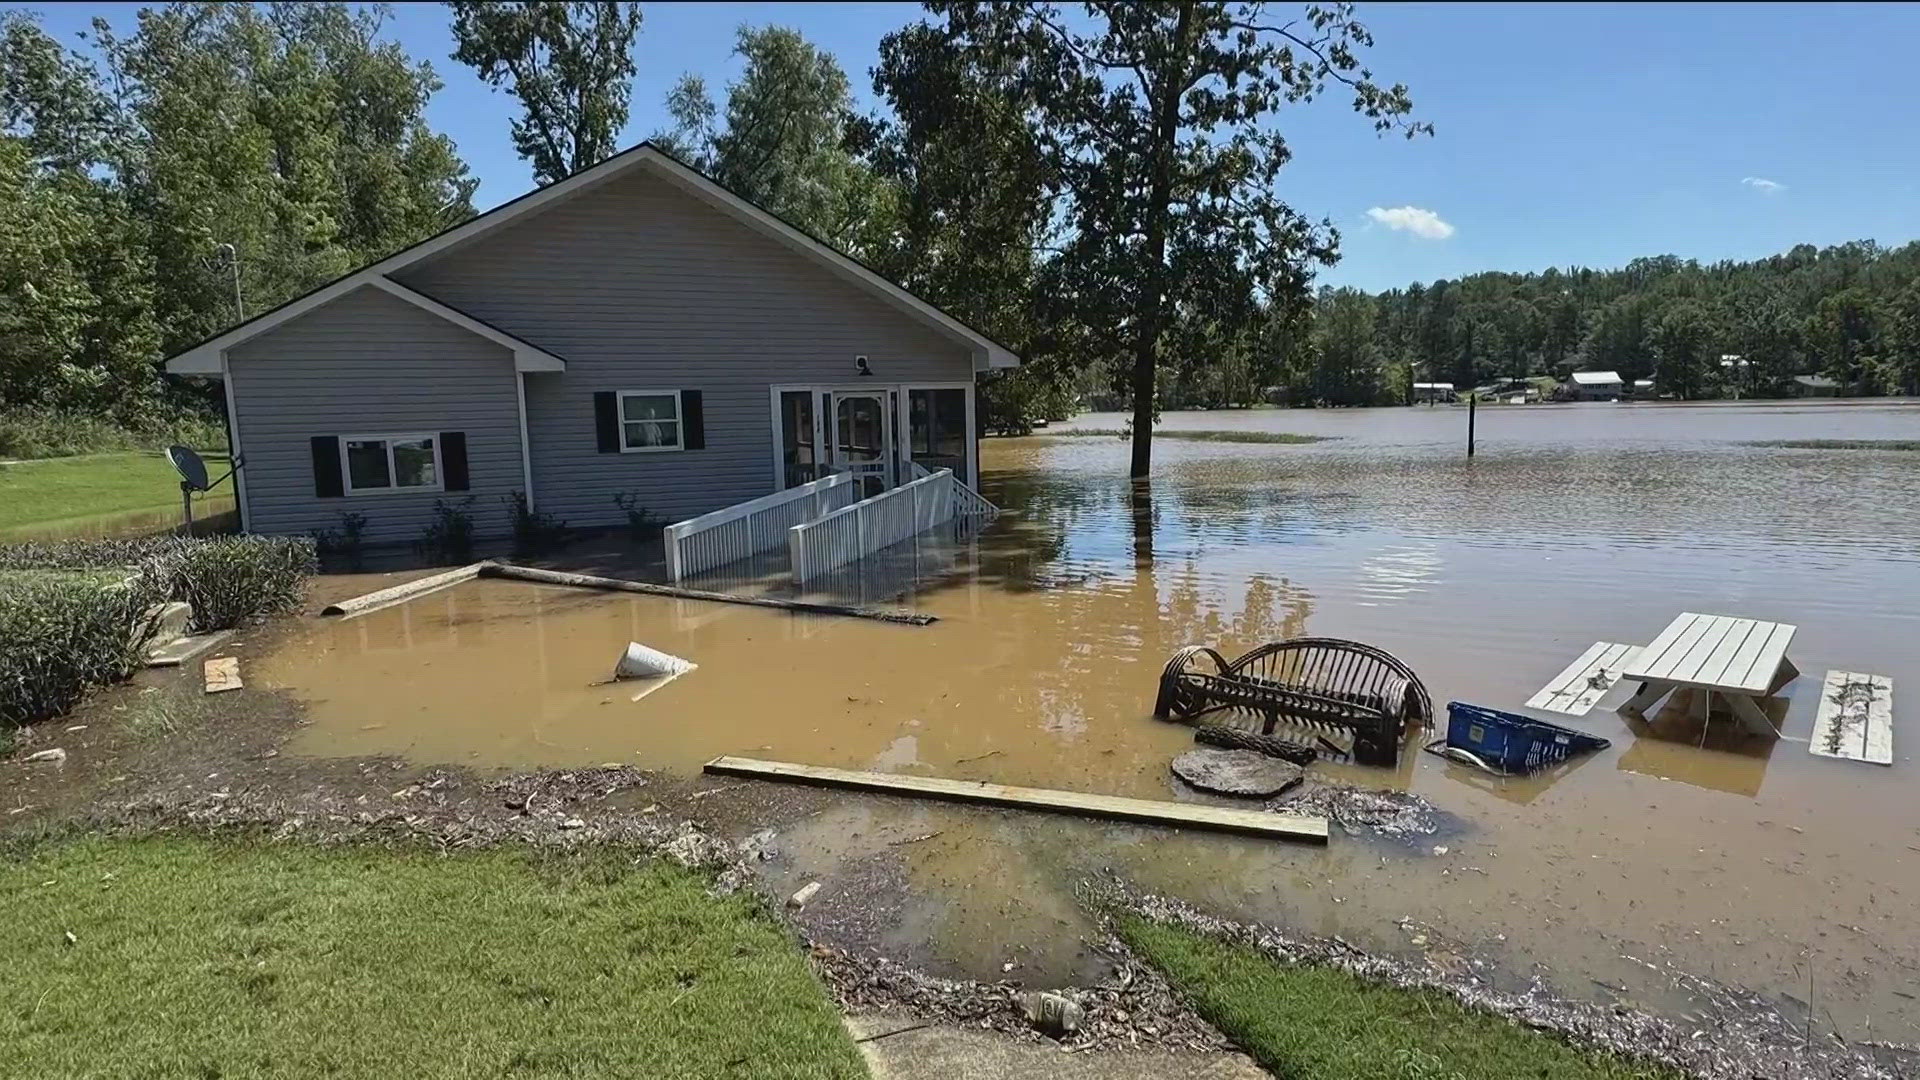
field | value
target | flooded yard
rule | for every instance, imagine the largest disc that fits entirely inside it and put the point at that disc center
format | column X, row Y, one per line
column 1747, row 860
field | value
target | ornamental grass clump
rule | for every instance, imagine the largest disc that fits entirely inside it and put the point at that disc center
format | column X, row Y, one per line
column 61, row 635
column 228, row 580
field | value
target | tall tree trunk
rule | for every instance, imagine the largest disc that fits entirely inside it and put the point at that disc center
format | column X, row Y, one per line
column 1152, row 306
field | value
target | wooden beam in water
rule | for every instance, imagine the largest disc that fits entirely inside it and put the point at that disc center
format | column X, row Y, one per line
column 402, row 592
column 587, row 581
column 1308, row 827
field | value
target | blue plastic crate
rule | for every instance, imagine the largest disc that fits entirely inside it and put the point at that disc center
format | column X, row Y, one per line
column 1511, row 743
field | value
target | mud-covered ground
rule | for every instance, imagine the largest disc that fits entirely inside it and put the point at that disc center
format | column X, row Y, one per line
column 159, row 753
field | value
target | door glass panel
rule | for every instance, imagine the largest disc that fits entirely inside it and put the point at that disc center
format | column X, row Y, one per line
column 937, row 420
column 860, row 439
column 799, row 455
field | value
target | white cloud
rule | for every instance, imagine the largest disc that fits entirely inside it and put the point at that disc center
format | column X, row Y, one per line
column 1424, row 224
column 1764, row 185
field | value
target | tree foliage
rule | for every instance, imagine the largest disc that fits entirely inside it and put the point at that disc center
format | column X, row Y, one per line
column 1847, row 312
column 1156, row 124
column 570, row 64
column 291, row 132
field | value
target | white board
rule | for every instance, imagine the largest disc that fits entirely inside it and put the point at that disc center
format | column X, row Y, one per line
column 1855, row 721
column 1585, row 681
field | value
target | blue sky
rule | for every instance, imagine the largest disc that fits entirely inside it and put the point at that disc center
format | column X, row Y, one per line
column 1567, row 134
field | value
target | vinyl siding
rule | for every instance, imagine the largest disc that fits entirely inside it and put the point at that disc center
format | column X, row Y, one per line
column 372, row 364
column 639, row 285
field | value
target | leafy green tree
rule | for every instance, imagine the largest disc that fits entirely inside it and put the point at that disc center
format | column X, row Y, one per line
column 1846, row 330
column 1156, row 121
column 50, row 97
column 1346, row 355
column 786, row 142
column 970, row 214
column 1682, row 345
column 570, row 64
column 1902, row 356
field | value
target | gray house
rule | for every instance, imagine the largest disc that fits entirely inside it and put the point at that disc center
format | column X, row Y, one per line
column 634, row 330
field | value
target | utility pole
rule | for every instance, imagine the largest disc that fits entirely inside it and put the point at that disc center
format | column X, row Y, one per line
column 232, row 257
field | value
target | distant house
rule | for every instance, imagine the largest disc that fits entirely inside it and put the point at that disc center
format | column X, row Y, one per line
column 1643, row 388
column 1433, row 391
column 1594, row 386
column 1815, row 386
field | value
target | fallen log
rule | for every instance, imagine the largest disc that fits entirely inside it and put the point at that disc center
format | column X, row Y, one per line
column 1236, row 739
column 809, row 607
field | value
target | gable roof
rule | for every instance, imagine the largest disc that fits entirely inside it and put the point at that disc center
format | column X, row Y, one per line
column 206, row 358
column 1596, row 378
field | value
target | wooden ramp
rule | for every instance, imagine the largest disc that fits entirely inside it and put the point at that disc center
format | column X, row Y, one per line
column 1856, row 718
column 1586, row 680
column 1311, row 828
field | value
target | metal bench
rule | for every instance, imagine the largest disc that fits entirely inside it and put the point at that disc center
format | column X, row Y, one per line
column 1323, row 683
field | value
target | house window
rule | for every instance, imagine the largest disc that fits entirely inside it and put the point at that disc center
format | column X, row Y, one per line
column 391, row 463
column 649, row 421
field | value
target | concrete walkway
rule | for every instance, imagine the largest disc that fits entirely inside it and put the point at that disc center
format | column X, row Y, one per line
column 900, row 1049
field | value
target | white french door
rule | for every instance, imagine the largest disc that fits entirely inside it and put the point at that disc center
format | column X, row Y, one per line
column 861, row 439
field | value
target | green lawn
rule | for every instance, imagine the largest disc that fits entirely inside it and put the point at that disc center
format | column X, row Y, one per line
column 192, row 957
column 96, row 493
column 1317, row 1023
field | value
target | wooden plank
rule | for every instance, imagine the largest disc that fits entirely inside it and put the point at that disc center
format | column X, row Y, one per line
column 1571, row 675
column 1683, row 644
column 588, row 581
column 1715, row 665
column 1656, row 651
column 1742, row 660
column 1575, row 690
column 1687, row 665
column 222, row 673
column 1759, row 677
column 1855, row 720
column 1310, row 828
column 404, row 591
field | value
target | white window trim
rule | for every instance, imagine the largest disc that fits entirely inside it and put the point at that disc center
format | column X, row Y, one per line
column 679, row 421
column 346, row 471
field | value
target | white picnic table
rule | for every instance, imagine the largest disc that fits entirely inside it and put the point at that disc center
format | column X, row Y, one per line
column 1742, row 660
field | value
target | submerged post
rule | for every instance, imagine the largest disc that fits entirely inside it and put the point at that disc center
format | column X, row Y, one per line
column 1472, row 401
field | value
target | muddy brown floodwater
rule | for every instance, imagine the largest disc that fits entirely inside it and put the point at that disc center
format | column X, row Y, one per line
column 1744, row 860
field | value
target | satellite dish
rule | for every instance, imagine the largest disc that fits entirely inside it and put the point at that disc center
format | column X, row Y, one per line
column 192, row 470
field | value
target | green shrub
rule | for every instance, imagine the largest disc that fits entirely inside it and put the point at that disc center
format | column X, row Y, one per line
column 449, row 537
column 344, row 542
column 643, row 523
column 230, row 579
column 61, row 636
column 45, row 433
column 534, row 532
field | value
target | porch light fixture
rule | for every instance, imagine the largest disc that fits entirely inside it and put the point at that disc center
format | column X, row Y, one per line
column 860, row 365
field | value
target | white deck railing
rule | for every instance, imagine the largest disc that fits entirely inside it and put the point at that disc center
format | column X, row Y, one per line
column 853, row 532
column 756, row 525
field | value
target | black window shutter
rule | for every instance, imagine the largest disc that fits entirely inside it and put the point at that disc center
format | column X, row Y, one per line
column 326, row 467
column 693, row 421
column 606, row 421
column 453, row 460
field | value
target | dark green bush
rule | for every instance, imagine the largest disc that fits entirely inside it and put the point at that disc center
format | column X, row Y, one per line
column 534, row 532
column 343, row 543
column 229, row 579
column 642, row 523
column 61, row 636
column 448, row 538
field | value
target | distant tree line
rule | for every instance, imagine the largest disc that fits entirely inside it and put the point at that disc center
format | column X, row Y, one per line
column 1850, row 313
